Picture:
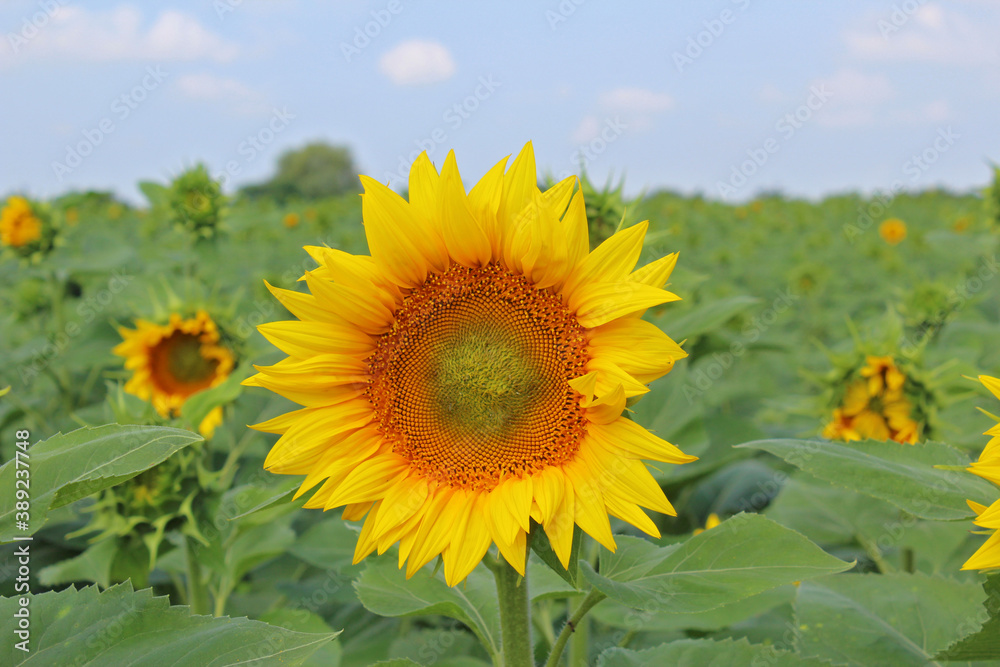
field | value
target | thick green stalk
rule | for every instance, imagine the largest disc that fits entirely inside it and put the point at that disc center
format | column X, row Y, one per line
column 515, row 620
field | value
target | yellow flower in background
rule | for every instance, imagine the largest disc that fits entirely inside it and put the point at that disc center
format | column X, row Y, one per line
column 711, row 522
column 171, row 362
column 892, row 231
column 291, row 220
column 875, row 407
column 18, row 224
column 961, row 225
column 469, row 376
column 72, row 216
column 987, row 557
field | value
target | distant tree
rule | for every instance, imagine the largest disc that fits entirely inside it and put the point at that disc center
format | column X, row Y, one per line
column 314, row 171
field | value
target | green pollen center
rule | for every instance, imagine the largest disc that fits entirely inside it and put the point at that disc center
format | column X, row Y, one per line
column 185, row 361
column 484, row 382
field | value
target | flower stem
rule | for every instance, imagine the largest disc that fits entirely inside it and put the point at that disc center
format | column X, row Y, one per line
column 197, row 597
column 515, row 623
column 593, row 597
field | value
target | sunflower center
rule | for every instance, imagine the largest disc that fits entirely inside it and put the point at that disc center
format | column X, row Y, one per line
column 483, row 380
column 178, row 365
column 471, row 383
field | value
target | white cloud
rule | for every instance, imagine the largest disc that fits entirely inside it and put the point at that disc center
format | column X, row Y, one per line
column 848, row 86
column 936, row 112
column 932, row 33
column 588, row 129
column 75, row 33
column 210, row 88
column 855, row 98
column 417, row 62
column 637, row 100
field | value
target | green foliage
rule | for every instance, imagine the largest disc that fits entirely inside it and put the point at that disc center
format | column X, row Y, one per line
column 993, row 199
column 983, row 644
column 119, row 626
column 314, row 171
column 767, row 288
column 196, row 201
column 66, row 468
column 904, row 475
column 888, row 619
column 744, row 556
column 698, row 652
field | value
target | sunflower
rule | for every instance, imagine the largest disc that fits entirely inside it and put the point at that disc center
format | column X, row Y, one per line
column 987, row 557
column 18, row 224
column 892, row 231
column 469, row 376
column 875, row 406
column 171, row 362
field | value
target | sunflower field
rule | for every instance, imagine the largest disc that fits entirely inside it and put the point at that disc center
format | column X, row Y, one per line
column 513, row 421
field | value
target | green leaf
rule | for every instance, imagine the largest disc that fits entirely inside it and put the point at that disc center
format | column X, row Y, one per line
column 302, row 620
column 122, row 627
column 618, row 615
column 833, row 516
column 882, row 619
column 699, row 652
column 197, row 407
column 156, row 193
column 541, row 547
column 93, row 565
column 904, row 475
column 984, row 644
column 384, row 590
column 328, row 544
column 707, row 317
column 546, row 583
column 743, row 556
column 281, row 494
column 68, row 467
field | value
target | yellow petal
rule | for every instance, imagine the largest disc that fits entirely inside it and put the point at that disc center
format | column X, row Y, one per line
column 577, row 231
column 629, row 436
column 466, row 241
column 987, row 557
column 304, row 306
column 559, row 527
column 589, row 508
column 472, row 541
column 519, row 183
column 991, row 383
column 484, row 200
column 607, row 408
column 404, row 248
column 598, row 303
column 305, row 339
column 366, row 544
column 435, row 531
column 630, row 513
column 370, row 480
column 610, row 262
column 548, row 486
column 517, row 497
column 423, row 190
column 656, row 273
column 356, row 307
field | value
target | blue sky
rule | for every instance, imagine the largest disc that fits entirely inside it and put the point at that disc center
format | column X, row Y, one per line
column 726, row 97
